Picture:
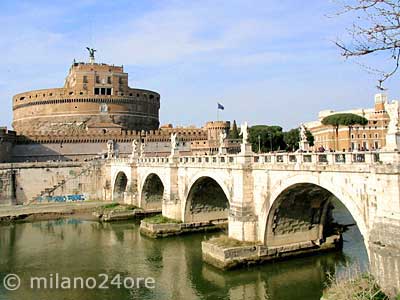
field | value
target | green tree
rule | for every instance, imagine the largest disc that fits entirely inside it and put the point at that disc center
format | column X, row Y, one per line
column 343, row 119
column 292, row 139
column 271, row 138
column 234, row 133
column 310, row 137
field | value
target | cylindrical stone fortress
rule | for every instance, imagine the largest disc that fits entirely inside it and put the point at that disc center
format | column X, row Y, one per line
column 94, row 95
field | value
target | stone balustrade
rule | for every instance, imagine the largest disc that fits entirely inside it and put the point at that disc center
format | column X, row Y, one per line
column 279, row 158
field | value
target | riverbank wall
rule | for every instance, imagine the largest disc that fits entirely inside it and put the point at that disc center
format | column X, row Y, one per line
column 46, row 182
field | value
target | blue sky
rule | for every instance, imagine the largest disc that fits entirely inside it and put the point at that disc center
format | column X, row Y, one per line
column 268, row 62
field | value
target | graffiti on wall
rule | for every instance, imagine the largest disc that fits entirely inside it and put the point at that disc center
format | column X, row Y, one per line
column 66, row 198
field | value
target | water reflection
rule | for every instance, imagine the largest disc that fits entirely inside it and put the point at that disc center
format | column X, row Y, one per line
column 76, row 248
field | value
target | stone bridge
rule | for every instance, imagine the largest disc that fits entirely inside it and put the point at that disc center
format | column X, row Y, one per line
column 276, row 199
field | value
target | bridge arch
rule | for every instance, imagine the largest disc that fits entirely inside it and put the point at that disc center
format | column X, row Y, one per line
column 207, row 199
column 152, row 192
column 120, row 187
column 313, row 211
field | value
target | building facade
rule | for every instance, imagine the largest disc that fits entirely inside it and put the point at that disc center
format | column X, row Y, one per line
column 94, row 107
column 358, row 137
column 95, row 97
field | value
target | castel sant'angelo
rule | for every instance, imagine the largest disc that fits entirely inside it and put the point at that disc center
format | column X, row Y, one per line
column 96, row 107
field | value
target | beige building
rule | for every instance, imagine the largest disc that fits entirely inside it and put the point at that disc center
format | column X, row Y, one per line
column 95, row 99
column 358, row 137
column 94, row 107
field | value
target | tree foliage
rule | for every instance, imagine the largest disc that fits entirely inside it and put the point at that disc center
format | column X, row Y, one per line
column 375, row 30
column 234, row 133
column 344, row 119
column 271, row 138
column 292, row 139
column 310, row 138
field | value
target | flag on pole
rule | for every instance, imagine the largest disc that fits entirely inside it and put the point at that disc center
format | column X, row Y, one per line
column 220, row 106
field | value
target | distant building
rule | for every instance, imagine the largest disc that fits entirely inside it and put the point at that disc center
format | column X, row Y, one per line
column 95, row 99
column 368, row 137
column 95, row 106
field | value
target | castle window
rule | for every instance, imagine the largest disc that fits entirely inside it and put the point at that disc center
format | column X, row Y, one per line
column 364, row 136
column 130, row 94
column 120, row 81
column 102, row 91
column 97, row 79
column 22, row 98
column 96, row 91
column 109, row 80
column 71, row 93
column 81, row 93
column 151, row 96
column 85, row 80
column 108, row 90
column 376, row 135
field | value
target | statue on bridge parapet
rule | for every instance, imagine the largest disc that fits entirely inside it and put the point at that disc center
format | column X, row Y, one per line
column 134, row 149
column 393, row 133
column 142, row 147
column 245, row 147
column 173, row 144
column 303, row 143
column 110, row 149
column 244, row 132
column 222, row 137
column 393, row 111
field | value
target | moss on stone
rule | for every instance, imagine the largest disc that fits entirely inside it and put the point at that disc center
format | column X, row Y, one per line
column 115, row 207
column 160, row 219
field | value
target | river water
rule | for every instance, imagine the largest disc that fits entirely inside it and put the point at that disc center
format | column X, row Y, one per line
column 74, row 248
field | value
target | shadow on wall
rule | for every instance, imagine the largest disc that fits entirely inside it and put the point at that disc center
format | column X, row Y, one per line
column 152, row 193
column 206, row 201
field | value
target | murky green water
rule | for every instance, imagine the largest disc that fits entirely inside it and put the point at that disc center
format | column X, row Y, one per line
column 77, row 248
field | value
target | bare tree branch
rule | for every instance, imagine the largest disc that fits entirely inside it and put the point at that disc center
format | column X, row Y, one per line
column 376, row 30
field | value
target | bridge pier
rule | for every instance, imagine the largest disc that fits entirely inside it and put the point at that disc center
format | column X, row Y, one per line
column 171, row 204
column 242, row 219
column 384, row 251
